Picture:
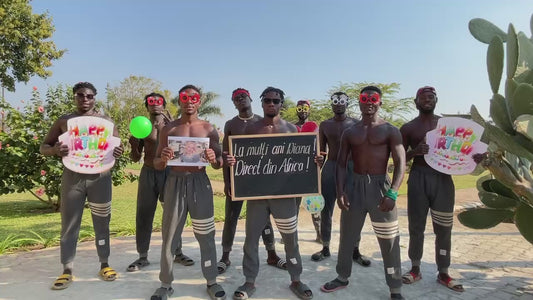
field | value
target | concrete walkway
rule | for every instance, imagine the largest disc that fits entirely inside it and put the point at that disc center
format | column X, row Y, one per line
column 491, row 264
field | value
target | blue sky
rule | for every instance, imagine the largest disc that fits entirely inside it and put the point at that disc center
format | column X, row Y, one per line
column 303, row 47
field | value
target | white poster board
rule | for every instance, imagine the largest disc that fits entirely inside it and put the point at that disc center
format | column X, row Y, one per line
column 452, row 144
column 90, row 143
column 188, row 151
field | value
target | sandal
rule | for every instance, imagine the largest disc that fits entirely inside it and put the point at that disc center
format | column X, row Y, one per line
column 162, row 293
column 62, row 282
column 411, row 277
column 216, row 292
column 321, row 255
column 108, row 274
column 280, row 264
column 183, row 260
column 138, row 265
column 451, row 284
column 245, row 291
column 222, row 266
column 301, row 290
column 362, row 260
column 334, row 285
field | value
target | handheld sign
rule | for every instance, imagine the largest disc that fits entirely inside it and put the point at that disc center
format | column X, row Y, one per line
column 188, row 151
column 274, row 166
column 452, row 144
column 90, row 143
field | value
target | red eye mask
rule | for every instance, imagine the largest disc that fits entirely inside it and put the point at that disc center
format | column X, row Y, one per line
column 186, row 98
column 366, row 98
column 155, row 100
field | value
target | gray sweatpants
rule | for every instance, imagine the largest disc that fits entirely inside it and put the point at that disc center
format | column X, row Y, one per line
column 75, row 188
column 329, row 192
column 150, row 189
column 232, row 213
column 428, row 189
column 364, row 196
column 257, row 215
column 187, row 192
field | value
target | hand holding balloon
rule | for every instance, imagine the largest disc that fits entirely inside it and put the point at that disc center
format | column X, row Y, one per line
column 140, row 127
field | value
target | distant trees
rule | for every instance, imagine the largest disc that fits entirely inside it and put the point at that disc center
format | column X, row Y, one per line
column 25, row 45
column 394, row 110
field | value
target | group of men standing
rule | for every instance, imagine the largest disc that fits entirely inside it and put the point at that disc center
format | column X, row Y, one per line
column 354, row 175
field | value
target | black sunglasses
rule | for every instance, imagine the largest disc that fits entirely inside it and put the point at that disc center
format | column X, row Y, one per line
column 82, row 95
column 270, row 100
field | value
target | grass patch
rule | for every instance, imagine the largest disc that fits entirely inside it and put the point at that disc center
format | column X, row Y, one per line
column 28, row 223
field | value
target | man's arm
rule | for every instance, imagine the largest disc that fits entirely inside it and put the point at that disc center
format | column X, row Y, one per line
column 214, row 153
column 340, row 173
column 137, row 146
column 51, row 145
column 322, row 138
column 163, row 152
column 398, row 158
column 225, row 151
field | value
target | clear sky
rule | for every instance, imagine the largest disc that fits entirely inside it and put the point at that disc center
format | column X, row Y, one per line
column 303, row 47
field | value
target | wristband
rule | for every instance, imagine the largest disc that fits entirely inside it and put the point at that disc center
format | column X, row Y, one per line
column 391, row 194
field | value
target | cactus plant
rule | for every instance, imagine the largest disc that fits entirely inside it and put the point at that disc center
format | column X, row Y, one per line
column 507, row 192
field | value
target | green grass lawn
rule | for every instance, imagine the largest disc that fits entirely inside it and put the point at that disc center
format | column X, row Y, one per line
column 26, row 221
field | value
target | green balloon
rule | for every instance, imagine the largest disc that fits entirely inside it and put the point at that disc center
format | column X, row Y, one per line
column 140, row 127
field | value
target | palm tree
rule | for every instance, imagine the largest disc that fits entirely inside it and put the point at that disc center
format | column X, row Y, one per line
column 208, row 108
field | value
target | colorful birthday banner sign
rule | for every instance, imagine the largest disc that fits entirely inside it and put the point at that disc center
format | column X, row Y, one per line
column 452, row 144
column 90, row 143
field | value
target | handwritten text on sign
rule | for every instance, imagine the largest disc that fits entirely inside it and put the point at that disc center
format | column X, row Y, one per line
column 274, row 166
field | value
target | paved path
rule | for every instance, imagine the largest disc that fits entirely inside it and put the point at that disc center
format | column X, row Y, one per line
column 492, row 264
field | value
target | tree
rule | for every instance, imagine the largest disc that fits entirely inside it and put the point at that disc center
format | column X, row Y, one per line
column 126, row 100
column 393, row 110
column 22, row 167
column 208, row 108
column 25, row 48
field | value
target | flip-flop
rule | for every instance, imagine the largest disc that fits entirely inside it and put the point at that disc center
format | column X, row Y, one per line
column 137, row 265
column 411, row 277
column 222, row 266
column 62, row 282
column 334, row 285
column 215, row 289
column 280, row 264
column 183, row 260
column 162, row 293
column 108, row 274
column 300, row 291
column 244, row 292
column 452, row 284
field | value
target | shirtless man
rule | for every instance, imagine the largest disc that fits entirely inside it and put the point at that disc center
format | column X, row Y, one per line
column 237, row 126
column 303, row 110
column 427, row 189
column 77, row 187
column 283, row 210
column 151, row 182
column 330, row 132
column 371, row 142
column 188, row 190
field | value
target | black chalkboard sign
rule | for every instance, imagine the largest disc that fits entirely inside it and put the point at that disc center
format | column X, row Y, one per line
column 274, row 166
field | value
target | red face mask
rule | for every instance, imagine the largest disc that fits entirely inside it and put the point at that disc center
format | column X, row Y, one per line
column 366, row 98
column 155, row 100
column 184, row 98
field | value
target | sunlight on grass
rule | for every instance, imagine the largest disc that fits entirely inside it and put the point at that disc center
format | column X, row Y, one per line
column 25, row 221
